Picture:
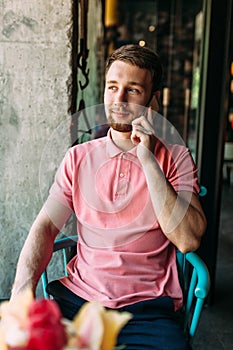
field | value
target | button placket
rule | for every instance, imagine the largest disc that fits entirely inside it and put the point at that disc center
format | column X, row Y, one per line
column 123, row 177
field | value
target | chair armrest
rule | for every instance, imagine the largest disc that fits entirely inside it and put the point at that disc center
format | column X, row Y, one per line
column 203, row 277
column 65, row 242
column 198, row 287
column 59, row 244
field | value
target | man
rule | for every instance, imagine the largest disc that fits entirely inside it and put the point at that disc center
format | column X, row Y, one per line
column 136, row 201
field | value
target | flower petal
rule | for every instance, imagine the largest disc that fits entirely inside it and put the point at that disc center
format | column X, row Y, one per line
column 18, row 307
column 89, row 325
column 114, row 321
column 3, row 345
column 14, row 318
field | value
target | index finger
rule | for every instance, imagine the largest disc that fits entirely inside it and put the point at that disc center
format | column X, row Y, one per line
column 149, row 115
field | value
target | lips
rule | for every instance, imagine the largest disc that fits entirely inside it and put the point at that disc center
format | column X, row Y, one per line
column 119, row 114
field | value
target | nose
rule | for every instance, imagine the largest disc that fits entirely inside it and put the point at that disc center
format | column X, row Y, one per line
column 120, row 96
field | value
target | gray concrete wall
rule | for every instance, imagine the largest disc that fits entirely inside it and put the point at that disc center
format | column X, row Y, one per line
column 34, row 69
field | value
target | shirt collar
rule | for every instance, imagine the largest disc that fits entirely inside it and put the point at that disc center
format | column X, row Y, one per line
column 113, row 150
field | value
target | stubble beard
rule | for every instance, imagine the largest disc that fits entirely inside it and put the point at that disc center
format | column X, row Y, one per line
column 122, row 127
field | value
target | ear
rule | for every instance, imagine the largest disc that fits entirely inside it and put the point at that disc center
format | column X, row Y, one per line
column 154, row 103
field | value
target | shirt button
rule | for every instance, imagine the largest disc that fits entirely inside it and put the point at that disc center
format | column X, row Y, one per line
column 122, row 174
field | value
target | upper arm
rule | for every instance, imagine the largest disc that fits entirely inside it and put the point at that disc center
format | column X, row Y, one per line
column 195, row 223
column 54, row 214
column 193, row 200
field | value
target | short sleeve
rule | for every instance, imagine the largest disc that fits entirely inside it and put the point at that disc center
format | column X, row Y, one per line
column 61, row 190
column 179, row 167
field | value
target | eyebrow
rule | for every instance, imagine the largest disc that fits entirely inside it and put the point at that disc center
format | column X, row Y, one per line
column 130, row 83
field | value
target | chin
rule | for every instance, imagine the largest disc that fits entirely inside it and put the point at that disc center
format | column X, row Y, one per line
column 121, row 127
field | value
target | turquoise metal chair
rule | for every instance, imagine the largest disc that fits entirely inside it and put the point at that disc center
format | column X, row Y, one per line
column 194, row 280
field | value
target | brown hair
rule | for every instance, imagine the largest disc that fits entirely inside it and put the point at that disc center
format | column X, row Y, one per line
column 143, row 57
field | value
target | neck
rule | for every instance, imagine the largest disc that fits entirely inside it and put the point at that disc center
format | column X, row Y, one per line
column 122, row 140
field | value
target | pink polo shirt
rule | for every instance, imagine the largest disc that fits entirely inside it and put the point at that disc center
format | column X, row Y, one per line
column 123, row 257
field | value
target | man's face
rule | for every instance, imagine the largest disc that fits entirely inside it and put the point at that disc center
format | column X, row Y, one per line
column 127, row 92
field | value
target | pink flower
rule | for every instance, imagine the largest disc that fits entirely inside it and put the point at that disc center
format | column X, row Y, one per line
column 46, row 330
column 36, row 324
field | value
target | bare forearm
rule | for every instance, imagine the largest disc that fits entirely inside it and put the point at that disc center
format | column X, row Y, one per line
column 35, row 255
column 179, row 214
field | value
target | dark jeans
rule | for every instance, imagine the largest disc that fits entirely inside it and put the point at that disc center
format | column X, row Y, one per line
column 153, row 326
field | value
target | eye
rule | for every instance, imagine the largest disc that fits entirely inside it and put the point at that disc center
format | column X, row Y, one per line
column 112, row 88
column 133, row 91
